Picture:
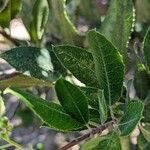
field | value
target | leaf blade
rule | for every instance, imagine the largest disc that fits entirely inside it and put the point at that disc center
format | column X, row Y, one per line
column 73, row 100
column 79, row 62
column 107, row 142
column 118, row 24
column 102, row 106
column 110, row 73
column 132, row 116
column 50, row 113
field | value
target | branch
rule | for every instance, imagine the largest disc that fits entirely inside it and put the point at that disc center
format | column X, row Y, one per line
column 94, row 131
column 7, row 76
column 7, row 36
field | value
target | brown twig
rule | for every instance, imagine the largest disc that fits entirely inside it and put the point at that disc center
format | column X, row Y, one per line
column 7, row 76
column 7, row 36
column 94, row 131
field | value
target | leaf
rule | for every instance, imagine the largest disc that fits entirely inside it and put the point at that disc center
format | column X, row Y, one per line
column 91, row 94
column 141, row 82
column 118, row 24
column 94, row 115
column 2, row 106
column 79, row 62
column 30, row 60
column 107, row 142
column 15, row 7
column 146, row 131
column 73, row 100
column 52, row 114
column 20, row 80
column 131, row 118
column 11, row 9
column 109, row 67
column 40, row 15
column 67, row 30
column 102, row 106
column 94, row 14
column 146, row 47
column 143, row 144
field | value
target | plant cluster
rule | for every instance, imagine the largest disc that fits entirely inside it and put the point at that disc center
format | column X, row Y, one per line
column 101, row 100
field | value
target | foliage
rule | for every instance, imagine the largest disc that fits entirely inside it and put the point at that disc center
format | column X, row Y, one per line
column 98, row 60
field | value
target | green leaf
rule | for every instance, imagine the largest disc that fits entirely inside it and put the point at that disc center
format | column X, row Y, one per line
column 146, row 47
column 146, row 131
column 2, row 106
column 91, row 94
column 9, row 12
column 40, row 14
column 94, row 116
column 73, row 100
column 143, row 144
column 131, row 118
column 52, row 114
column 79, row 62
column 30, row 60
column 15, row 7
column 94, row 14
column 141, row 82
column 109, row 67
column 118, row 24
column 107, row 142
column 20, row 80
column 102, row 106
column 67, row 30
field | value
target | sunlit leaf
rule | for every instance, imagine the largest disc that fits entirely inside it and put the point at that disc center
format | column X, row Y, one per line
column 79, row 62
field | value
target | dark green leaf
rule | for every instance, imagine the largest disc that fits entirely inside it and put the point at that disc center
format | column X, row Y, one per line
column 141, row 82
column 107, row 142
column 52, row 114
column 146, row 112
column 30, row 60
column 21, row 80
column 108, row 66
column 102, row 106
column 91, row 94
column 146, row 131
column 146, row 47
column 40, row 14
column 131, row 118
column 143, row 144
column 118, row 24
column 15, row 7
column 73, row 100
column 11, row 9
column 79, row 62
column 94, row 116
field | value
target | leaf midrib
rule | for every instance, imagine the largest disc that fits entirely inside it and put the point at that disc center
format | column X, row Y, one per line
column 76, row 106
column 105, row 70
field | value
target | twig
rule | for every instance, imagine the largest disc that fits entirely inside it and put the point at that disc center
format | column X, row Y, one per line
column 94, row 131
column 7, row 36
column 7, row 76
